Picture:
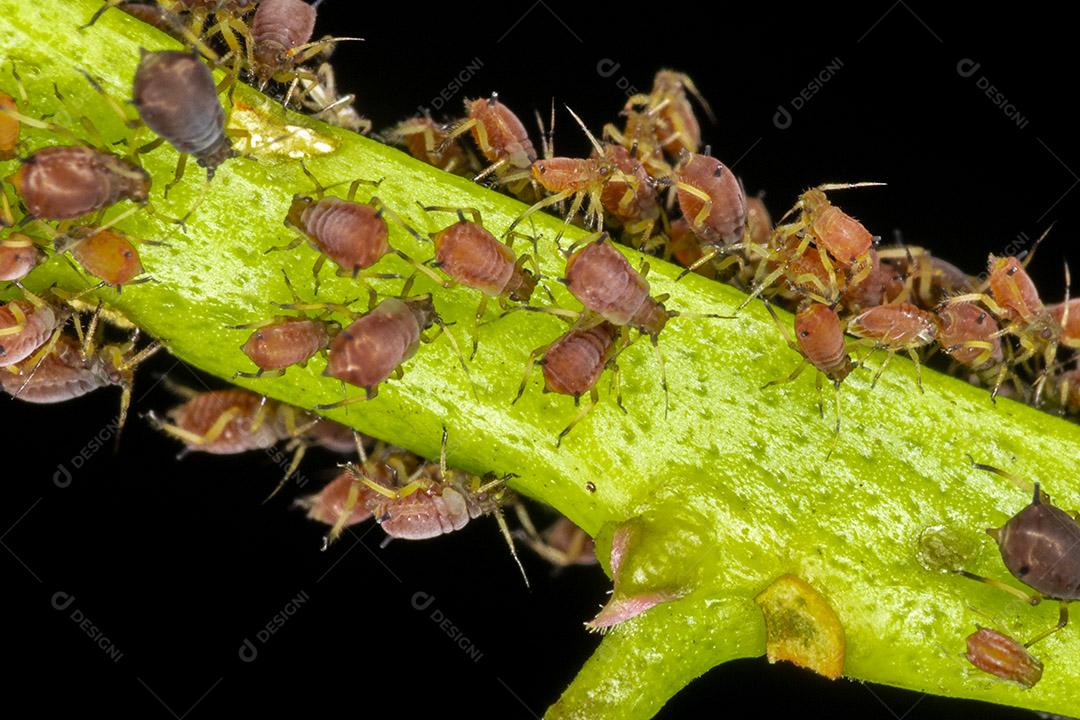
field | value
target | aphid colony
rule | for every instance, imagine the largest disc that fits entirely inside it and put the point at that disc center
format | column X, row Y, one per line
column 649, row 182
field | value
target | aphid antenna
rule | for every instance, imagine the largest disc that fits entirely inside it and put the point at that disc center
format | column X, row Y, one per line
column 692, row 88
column 827, row 187
column 1026, row 256
column 592, row 139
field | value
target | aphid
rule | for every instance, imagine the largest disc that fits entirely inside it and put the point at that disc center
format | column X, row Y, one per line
column 998, row 654
column 819, row 338
column 427, row 140
column 25, row 326
column 1067, row 390
column 676, row 126
column 105, row 253
column 895, row 327
column 575, row 179
column 375, row 345
column 713, row 201
column 498, row 133
column 970, row 336
column 9, row 127
column 884, row 284
column 930, row 279
column 64, row 182
column 331, row 505
column 283, row 341
column 573, row 364
column 18, row 256
column 1038, row 546
column 320, row 96
column 176, row 97
column 685, row 247
column 562, row 544
column 840, row 241
column 75, row 367
column 1014, row 301
column 629, row 196
column 353, row 235
column 281, row 33
column 435, row 500
column 1067, row 316
column 470, row 255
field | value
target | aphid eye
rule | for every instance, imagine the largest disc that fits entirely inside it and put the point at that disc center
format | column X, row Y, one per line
column 804, row 333
column 541, row 167
column 1012, row 271
column 1047, row 334
column 1024, row 569
column 982, row 317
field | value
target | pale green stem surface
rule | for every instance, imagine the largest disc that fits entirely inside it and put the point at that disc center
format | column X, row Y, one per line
column 734, row 486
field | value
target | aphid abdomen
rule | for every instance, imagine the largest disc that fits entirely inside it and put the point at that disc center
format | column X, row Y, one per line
column 472, row 256
column 573, row 365
column 1038, row 546
column 176, row 97
column 425, row 514
column 64, row 182
column 962, row 324
column 199, row 414
column 565, row 174
column 726, row 217
column 506, row 136
column 901, row 325
column 62, row 375
column 351, row 234
column 286, row 343
column 18, row 256
column 366, row 352
column 602, row 279
column 821, row 339
column 278, row 27
column 841, row 235
column 327, row 505
column 39, row 325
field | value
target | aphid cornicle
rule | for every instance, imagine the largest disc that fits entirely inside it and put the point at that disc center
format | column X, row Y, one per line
column 893, row 328
column 819, row 338
column 1038, row 546
column 176, row 97
column 573, row 363
column 18, row 256
column 65, row 182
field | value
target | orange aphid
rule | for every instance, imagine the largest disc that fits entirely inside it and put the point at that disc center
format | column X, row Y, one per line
column 108, row 255
column 1000, row 655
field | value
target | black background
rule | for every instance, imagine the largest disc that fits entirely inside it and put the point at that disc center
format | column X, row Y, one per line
column 178, row 563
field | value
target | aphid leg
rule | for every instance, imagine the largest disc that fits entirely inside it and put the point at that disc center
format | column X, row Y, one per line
column 918, row 367
column 195, row 439
column 481, row 308
column 504, row 529
column 1063, row 620
column 536, row 356
column 547, row 202
column 655, row 340
column 1030, row 599
column 1020, row 482
column 594, row 397
column 445, row 330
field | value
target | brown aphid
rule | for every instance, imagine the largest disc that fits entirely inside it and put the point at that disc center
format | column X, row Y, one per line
column 603, row 280
column 819, row 338
column 9, row 127
column 25, row 326
column 759, row 225
column 71, row 369
column 374, row 346
column 426, row 140
column 713, row 200
column 686, row 248
column 64, row 182
column 573, row 364
column 1067, row 317
column 1038, row 546
column 563, row 544
column 331, row 506
column 285, row 342
column 498, row 133
column 841, row 242
column 469, row 254
column 630, row 196
column 884, row 284
column 225, row 422
column 998, row 654
column 176, row 97
column 896, row 327
column 18, row 256
column 930, row 280
column 970, row 335
column 1014, row 300
column 676, row 126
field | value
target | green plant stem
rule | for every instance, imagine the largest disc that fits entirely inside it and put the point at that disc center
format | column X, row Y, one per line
column 732, row 488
